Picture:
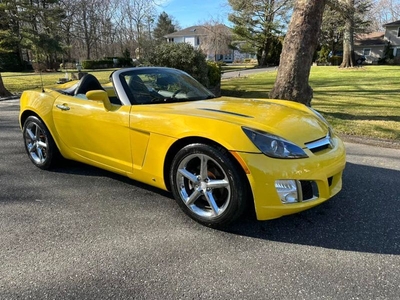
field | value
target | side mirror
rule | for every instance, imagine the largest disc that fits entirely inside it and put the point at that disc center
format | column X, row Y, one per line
column 99, row 95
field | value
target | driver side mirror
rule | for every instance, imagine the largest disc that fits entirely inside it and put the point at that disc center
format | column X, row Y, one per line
column 99, row 95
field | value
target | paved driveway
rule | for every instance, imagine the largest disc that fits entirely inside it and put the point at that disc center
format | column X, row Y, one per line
column 78, row 232
column 246, row 72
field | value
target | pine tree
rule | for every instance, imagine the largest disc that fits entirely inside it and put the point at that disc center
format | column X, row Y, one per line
column 163, row 27
column 256, row 23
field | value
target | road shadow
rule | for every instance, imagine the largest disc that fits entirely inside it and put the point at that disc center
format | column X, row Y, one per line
column 364, row 216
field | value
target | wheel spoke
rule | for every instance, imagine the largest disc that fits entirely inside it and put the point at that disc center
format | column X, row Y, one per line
column 210, row 199
column 39, row 153
column 31, row 135
column 216, row 184
column 31, row 147
column 185, row 173
column 42, row 144
column 203, row 166
column 37, row 132
column 193, row 197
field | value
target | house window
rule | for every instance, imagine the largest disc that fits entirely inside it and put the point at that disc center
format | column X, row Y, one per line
column 367, row 52
column 198, row 41
column 398, row 32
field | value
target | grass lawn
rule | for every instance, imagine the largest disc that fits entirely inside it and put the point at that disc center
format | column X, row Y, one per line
column 362, row 101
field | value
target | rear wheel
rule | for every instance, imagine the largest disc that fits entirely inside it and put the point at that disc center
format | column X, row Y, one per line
column 39, row 143
column 207, row 185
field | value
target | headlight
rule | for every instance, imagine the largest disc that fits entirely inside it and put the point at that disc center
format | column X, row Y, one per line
column 274, row 146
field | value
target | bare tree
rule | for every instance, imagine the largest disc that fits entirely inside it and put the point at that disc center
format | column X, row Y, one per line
column 383, row 12
column 298, row 49
column 136, row 15
column 217, row 39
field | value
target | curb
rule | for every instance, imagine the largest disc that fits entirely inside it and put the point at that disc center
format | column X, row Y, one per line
column 383, row 143
column 14, row 97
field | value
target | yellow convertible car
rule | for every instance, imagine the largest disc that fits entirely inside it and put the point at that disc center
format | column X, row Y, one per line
column 218, row 156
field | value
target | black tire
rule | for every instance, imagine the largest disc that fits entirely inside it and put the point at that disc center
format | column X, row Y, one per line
column 208, row 185
column 39, row 144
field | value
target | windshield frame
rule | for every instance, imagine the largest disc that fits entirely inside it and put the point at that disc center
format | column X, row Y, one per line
column 127, row 97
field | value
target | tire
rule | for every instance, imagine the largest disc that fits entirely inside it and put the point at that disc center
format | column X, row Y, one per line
column 208, row 186
column 39, row 143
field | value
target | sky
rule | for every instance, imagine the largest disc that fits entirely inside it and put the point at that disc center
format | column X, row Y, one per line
column 194, row 12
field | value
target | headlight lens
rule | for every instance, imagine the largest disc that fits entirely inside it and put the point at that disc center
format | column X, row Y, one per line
column 274, row 146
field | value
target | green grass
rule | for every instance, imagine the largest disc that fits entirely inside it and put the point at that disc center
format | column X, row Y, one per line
column 361, row 101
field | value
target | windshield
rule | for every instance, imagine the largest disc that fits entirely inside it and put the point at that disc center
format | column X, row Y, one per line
column 161, row 85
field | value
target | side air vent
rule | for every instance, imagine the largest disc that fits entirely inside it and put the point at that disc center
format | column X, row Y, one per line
column 226, row 112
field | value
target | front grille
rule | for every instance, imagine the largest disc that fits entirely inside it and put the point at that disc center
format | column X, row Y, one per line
column 320, row 144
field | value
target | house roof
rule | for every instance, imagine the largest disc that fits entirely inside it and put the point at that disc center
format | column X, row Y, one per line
column 193, row 31
column 370, row 39
column 392, row 24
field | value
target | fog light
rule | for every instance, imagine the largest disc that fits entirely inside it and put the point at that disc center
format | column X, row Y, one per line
column 288, row 190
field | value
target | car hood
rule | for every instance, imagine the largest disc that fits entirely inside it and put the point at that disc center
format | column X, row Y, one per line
column 287, row 119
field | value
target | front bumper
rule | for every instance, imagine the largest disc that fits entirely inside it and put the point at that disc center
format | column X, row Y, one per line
column 323, row 169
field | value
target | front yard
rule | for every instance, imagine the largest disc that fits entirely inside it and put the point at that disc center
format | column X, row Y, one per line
column 358, row 102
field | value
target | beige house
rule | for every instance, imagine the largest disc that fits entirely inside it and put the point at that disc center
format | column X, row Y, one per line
column 372, row 45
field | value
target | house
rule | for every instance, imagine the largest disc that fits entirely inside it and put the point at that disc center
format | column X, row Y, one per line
column 213, row 40
column 372, row 45
column 199, row 37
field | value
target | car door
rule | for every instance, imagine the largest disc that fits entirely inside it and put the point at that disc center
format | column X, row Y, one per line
column 94, row 134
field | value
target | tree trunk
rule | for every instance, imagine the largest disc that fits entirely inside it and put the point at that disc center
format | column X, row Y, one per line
column 297, row 53
column 263, row 61
column 3, row 91
column 348, row 40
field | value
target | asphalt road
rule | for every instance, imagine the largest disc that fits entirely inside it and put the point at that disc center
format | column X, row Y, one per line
column 78, row 232
column 247, row 72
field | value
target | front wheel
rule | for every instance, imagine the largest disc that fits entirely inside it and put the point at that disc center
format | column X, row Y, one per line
column 207, row 185
column 39, row 143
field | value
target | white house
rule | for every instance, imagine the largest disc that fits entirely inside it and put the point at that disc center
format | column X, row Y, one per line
column 198, row 36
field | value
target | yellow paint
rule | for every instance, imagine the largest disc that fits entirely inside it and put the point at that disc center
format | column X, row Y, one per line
column 134, row 140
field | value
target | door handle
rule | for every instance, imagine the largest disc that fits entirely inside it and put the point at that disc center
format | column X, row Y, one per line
column 62, row 106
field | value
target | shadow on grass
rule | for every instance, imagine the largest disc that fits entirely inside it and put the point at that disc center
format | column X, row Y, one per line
column 346, row 116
